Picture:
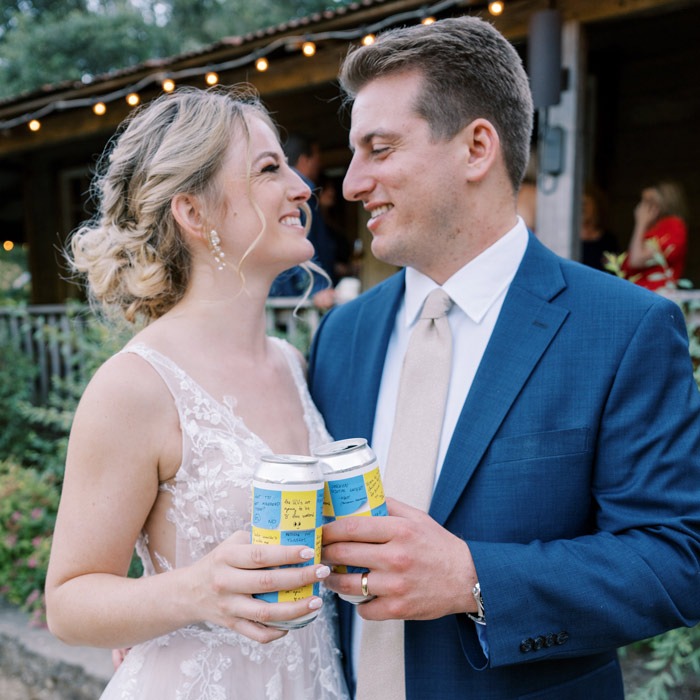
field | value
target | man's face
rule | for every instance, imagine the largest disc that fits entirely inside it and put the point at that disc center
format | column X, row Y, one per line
column 410, row 184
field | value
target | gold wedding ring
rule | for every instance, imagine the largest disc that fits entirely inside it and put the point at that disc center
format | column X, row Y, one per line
column 363, row 584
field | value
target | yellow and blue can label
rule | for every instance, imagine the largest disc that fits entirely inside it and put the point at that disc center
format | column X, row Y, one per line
column 288, row 516
column 358, row 494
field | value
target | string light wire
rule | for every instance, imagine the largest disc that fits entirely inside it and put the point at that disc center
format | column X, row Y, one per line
column 251, row 58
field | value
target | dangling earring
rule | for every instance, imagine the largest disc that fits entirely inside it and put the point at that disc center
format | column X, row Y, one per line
column 215, row 245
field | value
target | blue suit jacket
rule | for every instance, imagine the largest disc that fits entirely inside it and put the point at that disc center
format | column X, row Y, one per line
column 573, row 474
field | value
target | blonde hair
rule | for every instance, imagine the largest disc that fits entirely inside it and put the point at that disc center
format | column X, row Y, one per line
column 132, row 252
column 671, row 199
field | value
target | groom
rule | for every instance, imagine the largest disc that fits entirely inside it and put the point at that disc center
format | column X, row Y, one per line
column 563, row 521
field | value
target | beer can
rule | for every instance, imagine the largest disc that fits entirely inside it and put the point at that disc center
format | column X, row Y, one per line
column 353, row 487
column 288, row 510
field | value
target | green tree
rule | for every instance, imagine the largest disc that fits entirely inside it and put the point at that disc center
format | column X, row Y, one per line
column 11, row 9
column 74, row 45
column 45, row 42
column 208, row 21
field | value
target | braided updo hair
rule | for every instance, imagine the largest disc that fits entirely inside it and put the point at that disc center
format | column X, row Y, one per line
column 132, row 252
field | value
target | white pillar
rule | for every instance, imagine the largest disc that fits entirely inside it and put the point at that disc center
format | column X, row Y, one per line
column 559, row 197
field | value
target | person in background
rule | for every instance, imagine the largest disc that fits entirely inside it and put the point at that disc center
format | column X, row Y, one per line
column 198, row 213
column 527, row 194
column 343, row 265
column 304, row 155
column 543, row 506
column 657, row 250
column 595, row 238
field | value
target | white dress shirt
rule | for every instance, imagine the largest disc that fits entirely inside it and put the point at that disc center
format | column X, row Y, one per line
column 478, row 290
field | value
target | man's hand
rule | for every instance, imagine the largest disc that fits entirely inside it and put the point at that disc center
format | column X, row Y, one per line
column 418, row 570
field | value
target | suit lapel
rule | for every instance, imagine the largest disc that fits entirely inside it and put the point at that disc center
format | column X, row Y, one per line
column 373, row 330
column 525, row 328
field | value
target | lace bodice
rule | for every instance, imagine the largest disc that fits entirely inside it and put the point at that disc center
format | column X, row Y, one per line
column 210, row 499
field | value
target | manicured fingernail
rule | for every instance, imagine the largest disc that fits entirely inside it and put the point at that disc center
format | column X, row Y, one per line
column 322, row 571
column 315, row 603
column 307, row 553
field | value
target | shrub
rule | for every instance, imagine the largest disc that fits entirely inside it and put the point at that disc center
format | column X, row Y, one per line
column 676, row 653
column 28, row 507
column 14, row 275
column 33, row 446
column 16, row 388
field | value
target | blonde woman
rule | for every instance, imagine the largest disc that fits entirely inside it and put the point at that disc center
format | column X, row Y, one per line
column 657, row 250
column 198, row 213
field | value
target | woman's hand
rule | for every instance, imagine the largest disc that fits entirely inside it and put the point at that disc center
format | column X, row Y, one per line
column 226, row 579
column 645, row 214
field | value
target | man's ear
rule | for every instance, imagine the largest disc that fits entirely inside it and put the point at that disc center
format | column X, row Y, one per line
column 187, row 211
column 483, row 148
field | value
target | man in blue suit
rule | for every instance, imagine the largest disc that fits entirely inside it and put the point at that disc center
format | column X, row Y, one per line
column 567, row 483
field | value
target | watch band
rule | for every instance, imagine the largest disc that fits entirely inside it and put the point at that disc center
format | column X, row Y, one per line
column 478, row 617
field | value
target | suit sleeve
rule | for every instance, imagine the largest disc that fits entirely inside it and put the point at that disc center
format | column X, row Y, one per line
column 637, row 572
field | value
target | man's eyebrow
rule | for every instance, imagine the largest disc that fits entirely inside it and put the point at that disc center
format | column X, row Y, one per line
column 367, row 138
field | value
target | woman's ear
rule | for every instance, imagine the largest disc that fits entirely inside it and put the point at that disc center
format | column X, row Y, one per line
column 187, row 211
column 483, row 148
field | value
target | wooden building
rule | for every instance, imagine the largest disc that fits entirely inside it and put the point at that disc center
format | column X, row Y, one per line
column 629, row 114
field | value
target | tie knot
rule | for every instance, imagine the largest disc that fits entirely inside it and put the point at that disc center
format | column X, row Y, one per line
column 436, row 305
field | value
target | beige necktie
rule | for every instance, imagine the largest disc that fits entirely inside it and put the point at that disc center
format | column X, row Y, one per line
column 409, row 476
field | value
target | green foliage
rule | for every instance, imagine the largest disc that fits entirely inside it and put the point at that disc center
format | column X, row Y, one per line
column 16, row 389
column 45, row 42
column 59, row 46
column 676, row 653
column 28, row 507
column 33, row 446
column 207, row 21
column 672, row 656
column 14, row 277
column 35, row 433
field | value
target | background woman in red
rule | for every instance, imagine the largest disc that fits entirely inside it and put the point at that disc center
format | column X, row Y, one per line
column 657, row 250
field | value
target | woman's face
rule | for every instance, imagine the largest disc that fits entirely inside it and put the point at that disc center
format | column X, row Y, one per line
column 262, row 196
column 650, row 196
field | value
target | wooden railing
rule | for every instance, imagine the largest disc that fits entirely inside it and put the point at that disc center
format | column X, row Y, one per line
column 46, row 334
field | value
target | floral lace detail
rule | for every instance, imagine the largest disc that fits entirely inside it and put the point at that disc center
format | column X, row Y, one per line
column 209, row 501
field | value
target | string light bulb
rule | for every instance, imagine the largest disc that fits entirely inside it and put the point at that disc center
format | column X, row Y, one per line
column 496, row 7
column 99, row 108
column 364, row 33
column 428, row 20
column 308, row 48
column 8, row 246
column 168, row 85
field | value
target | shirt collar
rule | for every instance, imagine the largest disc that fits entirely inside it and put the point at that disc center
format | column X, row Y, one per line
column 477, row 285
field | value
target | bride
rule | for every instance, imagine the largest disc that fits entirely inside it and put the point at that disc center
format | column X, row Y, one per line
column 198, row 213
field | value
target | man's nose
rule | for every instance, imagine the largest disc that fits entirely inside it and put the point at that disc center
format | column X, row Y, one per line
column 356, row 182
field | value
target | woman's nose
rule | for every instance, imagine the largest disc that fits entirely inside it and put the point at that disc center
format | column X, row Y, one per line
column 299, row 190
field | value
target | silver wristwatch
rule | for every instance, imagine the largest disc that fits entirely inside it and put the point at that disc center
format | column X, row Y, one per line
column 479, row 616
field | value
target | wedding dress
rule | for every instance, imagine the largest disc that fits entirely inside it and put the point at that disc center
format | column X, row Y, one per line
column 210, row 498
